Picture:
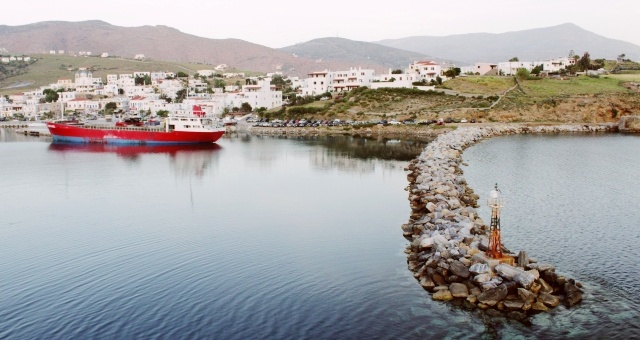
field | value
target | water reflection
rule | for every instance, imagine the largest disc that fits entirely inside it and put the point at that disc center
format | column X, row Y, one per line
column 359, row 154
column 398, row 148
column 184, row 159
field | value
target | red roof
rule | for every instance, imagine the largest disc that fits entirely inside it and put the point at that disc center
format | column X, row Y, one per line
column 138, row 98
column 426, row 63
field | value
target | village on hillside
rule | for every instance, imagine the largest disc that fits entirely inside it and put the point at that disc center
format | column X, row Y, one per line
column 168, row 93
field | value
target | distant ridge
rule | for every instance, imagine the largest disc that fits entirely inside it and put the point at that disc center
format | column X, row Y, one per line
column 529, row 45
column 167, row 43
column 155, row 42
column 357, row 53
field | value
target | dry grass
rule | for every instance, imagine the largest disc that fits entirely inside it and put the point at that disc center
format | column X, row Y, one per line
column 480, row 85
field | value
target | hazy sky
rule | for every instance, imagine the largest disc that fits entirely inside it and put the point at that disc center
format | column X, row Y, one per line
column 279, row 23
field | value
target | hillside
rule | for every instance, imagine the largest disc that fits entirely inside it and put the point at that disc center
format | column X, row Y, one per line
column 155, row 42
column 527, row 45
column 360, row 53
column 569, row 100
column 49, row 68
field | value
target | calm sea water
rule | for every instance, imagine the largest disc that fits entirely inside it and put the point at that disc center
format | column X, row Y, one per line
column 573, row 201
column 263, row 237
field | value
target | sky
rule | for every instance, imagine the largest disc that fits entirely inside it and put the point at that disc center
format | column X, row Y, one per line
column 280, row 23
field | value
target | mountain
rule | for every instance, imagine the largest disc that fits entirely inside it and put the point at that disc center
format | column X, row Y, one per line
column 527, row 45
column 155, row 42
column 357, row 53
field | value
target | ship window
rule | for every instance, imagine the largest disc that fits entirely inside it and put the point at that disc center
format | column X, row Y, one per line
column 171, row 126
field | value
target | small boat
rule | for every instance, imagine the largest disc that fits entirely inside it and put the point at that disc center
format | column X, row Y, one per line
column 175, row 130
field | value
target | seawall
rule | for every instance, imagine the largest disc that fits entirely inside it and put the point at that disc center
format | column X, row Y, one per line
column 448, row 239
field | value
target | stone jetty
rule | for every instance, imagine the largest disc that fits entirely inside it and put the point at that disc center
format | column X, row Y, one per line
column 448, row 239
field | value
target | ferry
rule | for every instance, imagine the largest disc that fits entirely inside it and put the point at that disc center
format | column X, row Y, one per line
column 193, row 129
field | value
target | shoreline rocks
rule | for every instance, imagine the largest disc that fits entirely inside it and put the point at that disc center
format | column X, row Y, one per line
column 448, row 239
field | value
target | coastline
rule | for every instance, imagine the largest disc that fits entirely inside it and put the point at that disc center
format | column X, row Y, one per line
column 448, row 239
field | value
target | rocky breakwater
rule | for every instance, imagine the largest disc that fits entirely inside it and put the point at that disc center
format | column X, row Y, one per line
column 629, row 124
column 448, row 239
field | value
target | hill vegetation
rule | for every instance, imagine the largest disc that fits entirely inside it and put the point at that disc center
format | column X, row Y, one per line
column 46, row 69
column 583, row 99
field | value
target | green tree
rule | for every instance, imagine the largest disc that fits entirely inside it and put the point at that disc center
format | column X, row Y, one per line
column 162, row 113
column 585, row 62
column 536, row 70
column 181, row 95
column 111, row 106
column 143, row 80
column 514, row 59
column 246, row 107
column 438, row 80
column 50, row 95
column 522, row 74
column 397, row 71
column 181, row 74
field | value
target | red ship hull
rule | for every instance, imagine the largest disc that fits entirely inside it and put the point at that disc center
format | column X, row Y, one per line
column 129, row 135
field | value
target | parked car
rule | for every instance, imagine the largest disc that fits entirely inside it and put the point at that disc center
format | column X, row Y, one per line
column 463, row 120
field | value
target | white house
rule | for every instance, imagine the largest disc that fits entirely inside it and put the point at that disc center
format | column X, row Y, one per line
column 206, row 73
column 317, row 83
column 351, row 79
column 85, row 82
column 480, row 69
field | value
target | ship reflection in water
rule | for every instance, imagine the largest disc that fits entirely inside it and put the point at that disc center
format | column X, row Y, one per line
column 185, row 159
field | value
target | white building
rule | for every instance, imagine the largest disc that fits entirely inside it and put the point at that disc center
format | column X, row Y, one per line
column 480, row 69
column 85, row 82
column 345, row 81
column 317, row 83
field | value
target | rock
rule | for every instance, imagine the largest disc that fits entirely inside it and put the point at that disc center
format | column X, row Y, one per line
column 518, row 275
column 458, row 290
column 475, row 291
column 548, row 299
column 431, row 207
column 472, row 298
column 479, row 268
column 525, row 295
column 466, row 304
column 442, row 295
column 493, row 313
column 429, row 242
column 535, row 287
column 513, row 304
column 573, row 295
column 427, row 283
column 539, row 306
column 541, row 266
column 492, row 296
column 535, row 273
column 515, row 315
column 523, row 259
column 459, row 269
column 439, row 279
column 481, row 278
column 545, row 287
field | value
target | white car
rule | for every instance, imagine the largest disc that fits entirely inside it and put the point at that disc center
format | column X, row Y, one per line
column 463, row 120
column 394, row 122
